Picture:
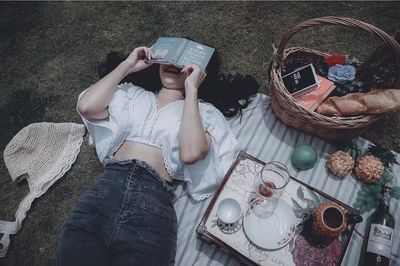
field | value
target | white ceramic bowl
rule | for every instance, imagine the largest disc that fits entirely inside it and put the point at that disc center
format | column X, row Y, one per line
column 229, row 211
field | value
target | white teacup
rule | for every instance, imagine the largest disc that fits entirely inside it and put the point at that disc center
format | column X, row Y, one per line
column 229, row 214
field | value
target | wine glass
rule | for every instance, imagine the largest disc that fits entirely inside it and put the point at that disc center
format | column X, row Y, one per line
column 272, row 180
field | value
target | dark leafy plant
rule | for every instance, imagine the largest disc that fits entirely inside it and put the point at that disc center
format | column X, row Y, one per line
column 350, row 87
column 350, row 147
column 386, row 156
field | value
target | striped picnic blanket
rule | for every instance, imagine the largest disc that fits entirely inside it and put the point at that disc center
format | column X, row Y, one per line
column 262, row 135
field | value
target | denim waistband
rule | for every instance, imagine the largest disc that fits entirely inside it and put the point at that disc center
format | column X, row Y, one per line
column 129, row 165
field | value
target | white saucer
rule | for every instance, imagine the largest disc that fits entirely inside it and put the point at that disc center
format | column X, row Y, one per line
column 269, row 225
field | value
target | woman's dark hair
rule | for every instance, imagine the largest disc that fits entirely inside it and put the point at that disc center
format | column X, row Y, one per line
column 230, row 93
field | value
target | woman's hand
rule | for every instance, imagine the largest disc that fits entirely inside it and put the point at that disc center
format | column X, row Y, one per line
column 194, row 77
column 94, row 103
column 136, row 60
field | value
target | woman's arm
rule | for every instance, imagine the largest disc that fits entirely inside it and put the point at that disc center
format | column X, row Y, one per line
column 194, row 142
column 94, row 103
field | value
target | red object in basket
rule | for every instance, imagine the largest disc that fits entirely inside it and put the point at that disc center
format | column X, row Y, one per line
column 335, row 59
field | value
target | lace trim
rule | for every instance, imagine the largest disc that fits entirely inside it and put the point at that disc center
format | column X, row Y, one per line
column 145, row 141
column 203, row 196
column 36, row 190
column 220, row 170
column 167, row 163
column 218, row 160
column 156, row 111
column 148, row 119
column 150, row 135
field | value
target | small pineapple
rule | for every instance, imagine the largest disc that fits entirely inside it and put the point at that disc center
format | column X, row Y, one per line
column 340, row 163
column 329, row 220
column 369, row 169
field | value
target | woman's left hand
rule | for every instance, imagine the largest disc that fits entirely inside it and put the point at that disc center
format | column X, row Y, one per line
column 194, row 77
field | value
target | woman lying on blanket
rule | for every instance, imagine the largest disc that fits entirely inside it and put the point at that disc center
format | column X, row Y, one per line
column 146, row 139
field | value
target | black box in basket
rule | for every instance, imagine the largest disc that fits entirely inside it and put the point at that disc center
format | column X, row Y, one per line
column 301, row 80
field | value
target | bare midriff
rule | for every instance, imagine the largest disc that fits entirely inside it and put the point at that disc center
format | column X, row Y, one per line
column 152, row 155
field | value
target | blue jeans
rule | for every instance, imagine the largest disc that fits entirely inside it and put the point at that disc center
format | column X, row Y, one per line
column 126, row 218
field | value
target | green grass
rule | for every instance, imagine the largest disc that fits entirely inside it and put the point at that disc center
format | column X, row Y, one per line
column 49, row 51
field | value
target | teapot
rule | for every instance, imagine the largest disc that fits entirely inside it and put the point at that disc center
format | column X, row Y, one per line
column 331, row 220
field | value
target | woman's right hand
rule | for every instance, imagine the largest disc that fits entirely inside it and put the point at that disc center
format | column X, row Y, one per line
column 136, row 60
column 194, row 77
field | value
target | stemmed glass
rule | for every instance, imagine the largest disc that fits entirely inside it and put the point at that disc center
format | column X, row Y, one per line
column 271, row 180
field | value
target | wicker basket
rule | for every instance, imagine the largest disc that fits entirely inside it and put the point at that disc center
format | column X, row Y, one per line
column 291, row 113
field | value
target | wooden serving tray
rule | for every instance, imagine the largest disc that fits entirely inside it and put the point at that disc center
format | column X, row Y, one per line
column 303, row 249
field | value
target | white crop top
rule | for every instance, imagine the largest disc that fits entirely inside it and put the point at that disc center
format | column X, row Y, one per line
column 134, row 116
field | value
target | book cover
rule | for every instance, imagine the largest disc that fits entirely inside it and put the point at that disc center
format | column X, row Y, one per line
column 312, row 99
column 180, row 52
column 301, row 80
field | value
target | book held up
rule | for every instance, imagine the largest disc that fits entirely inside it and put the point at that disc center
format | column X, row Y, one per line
column 180, row 52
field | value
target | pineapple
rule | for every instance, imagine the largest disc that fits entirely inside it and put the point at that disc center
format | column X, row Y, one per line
column 340, row 163
column 327, row 224
column 369, row 169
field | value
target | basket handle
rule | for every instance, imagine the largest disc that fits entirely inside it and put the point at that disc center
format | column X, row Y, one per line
column 342, row 21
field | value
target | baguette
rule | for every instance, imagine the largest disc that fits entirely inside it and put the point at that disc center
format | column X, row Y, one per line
column 353, row 104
